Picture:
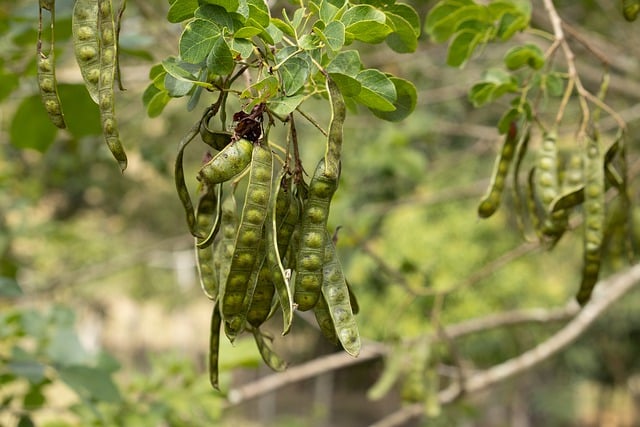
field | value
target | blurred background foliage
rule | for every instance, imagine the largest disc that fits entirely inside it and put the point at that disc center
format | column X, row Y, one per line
column 101, row 318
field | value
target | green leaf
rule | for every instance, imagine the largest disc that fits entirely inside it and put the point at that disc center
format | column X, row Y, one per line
column 511, row 115
column 407, row 97
column 176, row 88
column 362, row 13
column 248, row 31
column 228, row 5
column 285, row 105
column 403, row 39
column 218, row 16
column 259, row 12
column 197, row 40
column 220, row 59
column 181, row 10
column 511, row 24
column 334, row 35
column 365, row 23
column 81, row 114
column 294, row 73
column 9, row 288
column 283, row 26
column 552, row 84
column 327, row 11
column 157, row 103
column 23, row 134
column 10, row 82
column 443, row 20
column 182, row 70
column 91, row 383
column 408, row 13
column 262, row 90
column 521, row 56
column 461, row 47
column 346, row 62
column 64, row 348
column 378, row 91
column 495, row 84
column 241, row 47
column 348, row 85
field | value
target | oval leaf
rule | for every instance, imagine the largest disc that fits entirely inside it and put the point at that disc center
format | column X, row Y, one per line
column 378, row 91
column 407, row 97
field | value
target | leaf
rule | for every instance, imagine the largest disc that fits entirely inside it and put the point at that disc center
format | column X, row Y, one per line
column 264, row 89
column 156, row 100
column 294, row 73
column 346, row 62
column 511, row 24
column 348, row 85
column 220, row 59
column 81, row 115
column 181, row 10
column 10, row 82
column 176, row 88
column 283, row 26
column 334, row 35
column 181, row 70
column 283, row 106
column 403, row 39
column 228, row 5
column 406, row 99
column 91, row 383
column 9, row 288
column 442, row 22
column 218, row 16
column 197, row 40
column 241, row 47
column 65, row 349
column 328, row 11
column 408, row 13
column 495, row 84
column 521, row 56
column 461, row 47
column 259, row 12
column 365, row 23
column 378, row 91
column 510, row 116
column 23, row 134
column 553, row 84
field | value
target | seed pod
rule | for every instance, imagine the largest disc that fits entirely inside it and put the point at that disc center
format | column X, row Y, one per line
column 630, row 9
column 214, row 139
column 223, row 251
column 323, row 317
column 86, row 44
column 276, row 222
column 108, row 48
column 214, row 345
column 245, row 254
column 181, row 186
column 229, row 162
column 518, row 197
column 257, row 300
column 313, row 227
column 334, row 136
column 555, row 223
column 268, row 355
column 207, row 222
column 336, row 294
column 491, row 200
column 594, row 211
column 46, row 70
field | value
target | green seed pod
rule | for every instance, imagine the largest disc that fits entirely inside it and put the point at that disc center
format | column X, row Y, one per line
column 336, row 294
column 323, row 317
column 594, row 211
column 630, row 9
column 491, row 200
column 245, row 254
column 86, row 44
column 223, row 252
column 308, row 281
column 181, row 186
column 268, row 355
column 555, row 223
column 207, row 221
column 46, row 70
column 260, row 295
column 106, row 30
column 214, row 139
column 229, row 162
column 334, row 136
column 214, row 346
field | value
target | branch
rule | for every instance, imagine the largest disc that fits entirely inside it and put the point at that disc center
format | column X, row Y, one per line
column 606, row 293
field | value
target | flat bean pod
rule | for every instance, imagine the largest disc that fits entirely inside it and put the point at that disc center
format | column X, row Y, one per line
column 594, row 211
column 229, row 162
column 268, row 355
column 257, row 301
column 181, row 186
column 214, row 345
column 207, row 221
column 273, row 226
column 325, row 322
column 334, row 136
column 108, row 49
column 46, row 70
column 86, row 44
column 223, row 252
column 310, row 258
column 214, row 139
column 336, row 294
column 491, row 200
column 245, row 254
column 555, row 223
